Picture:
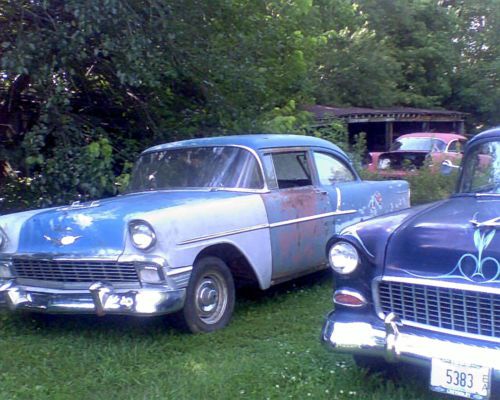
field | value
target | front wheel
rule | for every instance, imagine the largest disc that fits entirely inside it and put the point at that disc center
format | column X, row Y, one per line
column 210, row 296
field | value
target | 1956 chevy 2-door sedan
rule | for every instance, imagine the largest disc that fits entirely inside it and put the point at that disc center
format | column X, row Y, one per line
column 199, row 217
column 423, row 285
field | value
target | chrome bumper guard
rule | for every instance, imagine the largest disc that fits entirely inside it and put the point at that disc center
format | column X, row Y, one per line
column 101, row 298
column 389, row 340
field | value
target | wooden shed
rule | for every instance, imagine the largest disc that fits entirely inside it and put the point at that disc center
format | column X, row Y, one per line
column 384, row 125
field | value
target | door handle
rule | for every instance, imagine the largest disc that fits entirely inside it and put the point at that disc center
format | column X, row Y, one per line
column 320, row 191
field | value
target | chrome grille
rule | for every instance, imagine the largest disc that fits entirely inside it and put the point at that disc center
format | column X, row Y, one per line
column 74, row 270
column 448, row 308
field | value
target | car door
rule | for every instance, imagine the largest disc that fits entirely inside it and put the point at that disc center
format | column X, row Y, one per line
column 297, row 211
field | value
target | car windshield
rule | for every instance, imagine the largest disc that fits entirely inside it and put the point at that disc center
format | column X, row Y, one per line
column 200, row 167
column 418, row 144
column 482, row 169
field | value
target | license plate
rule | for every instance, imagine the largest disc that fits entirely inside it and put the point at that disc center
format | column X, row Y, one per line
column 466, row 380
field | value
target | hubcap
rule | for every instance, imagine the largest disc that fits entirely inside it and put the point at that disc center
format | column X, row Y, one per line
column 211, row 298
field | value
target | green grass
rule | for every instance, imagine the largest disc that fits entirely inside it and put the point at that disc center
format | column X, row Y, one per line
column 271, row 350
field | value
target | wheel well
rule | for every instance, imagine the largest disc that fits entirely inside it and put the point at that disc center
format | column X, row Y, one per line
column 238, row 264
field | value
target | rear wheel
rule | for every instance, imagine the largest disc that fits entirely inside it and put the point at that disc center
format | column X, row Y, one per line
column 210, row 296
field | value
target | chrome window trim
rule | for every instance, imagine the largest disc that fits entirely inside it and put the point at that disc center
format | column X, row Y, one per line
column 297, row 149
column 265, row 226
column 346, row 165
column 447, row 285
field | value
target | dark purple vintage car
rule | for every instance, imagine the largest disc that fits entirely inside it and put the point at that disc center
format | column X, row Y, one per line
column 422, row 285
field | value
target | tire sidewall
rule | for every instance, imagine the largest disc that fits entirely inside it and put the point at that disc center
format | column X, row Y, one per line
column 202, row 268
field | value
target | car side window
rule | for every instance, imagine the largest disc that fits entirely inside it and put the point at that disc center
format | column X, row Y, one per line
column 456, row 147
column 332, row 170
column 291, row 169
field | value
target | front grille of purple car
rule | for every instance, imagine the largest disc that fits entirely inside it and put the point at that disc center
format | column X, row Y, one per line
column 74, row 270
column 465, row 311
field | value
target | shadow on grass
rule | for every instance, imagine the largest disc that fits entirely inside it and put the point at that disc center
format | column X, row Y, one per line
column 255, row 295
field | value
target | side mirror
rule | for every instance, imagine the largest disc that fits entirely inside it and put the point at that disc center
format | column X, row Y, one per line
column 447, row 167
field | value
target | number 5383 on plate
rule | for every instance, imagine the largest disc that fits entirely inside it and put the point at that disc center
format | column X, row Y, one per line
column 466, row 380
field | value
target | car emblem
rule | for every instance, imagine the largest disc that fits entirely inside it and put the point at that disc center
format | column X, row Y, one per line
column 64, row 241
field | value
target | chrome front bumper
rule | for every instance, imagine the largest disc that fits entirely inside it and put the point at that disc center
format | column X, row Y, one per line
column 393, row 341
column 100, row 299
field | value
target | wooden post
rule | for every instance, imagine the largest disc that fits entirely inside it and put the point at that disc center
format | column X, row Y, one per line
column 389, row 133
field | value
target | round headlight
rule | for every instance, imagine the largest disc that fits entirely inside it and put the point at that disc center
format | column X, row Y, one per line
column 343, row 257
column 142, row 234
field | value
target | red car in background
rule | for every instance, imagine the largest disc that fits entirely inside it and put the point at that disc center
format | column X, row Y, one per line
column 409, row 152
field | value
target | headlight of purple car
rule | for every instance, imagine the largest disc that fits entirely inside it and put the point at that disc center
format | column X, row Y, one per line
column 343, row 258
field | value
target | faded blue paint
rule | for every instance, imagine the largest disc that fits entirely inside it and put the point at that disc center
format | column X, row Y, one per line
column 101, row 226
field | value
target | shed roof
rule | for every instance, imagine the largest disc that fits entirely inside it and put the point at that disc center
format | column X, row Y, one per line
column 360, row 114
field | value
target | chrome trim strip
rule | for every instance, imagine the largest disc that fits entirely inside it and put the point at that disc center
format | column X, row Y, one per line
column 311, row 218
column 442, row 284
column 265, row 226
column 225, row 233
column 178, row 271
column 339, row 198
column 268, row 150
column 448, row 285
column 450, row 331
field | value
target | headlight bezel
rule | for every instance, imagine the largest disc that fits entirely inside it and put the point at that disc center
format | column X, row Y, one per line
column 350, row 253
column 142, row 234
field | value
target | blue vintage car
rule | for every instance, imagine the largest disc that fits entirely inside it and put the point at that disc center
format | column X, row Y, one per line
column 200, row 216
column 423, row 285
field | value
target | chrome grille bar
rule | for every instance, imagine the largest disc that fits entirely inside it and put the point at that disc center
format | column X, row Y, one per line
column 74, row 270
column 454, row 309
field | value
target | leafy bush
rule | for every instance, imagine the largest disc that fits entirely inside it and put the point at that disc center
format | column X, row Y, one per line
column 425, row 185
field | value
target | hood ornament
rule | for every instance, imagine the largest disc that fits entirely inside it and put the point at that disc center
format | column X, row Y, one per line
column 64, row 241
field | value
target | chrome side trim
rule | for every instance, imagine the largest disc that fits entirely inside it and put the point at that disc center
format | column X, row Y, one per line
column 178, row 271
column 339, row 198
column 449, row 285
column 312, row 217
column 265, row 226
column 225, row 233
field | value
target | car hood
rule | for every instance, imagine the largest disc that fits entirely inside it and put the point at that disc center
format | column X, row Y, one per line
column 95, row 229
column 403, row 159
column 441, row 243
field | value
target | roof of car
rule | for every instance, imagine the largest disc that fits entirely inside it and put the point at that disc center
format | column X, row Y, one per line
column 437, row 135
column 253, row 141
column 490, row 133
